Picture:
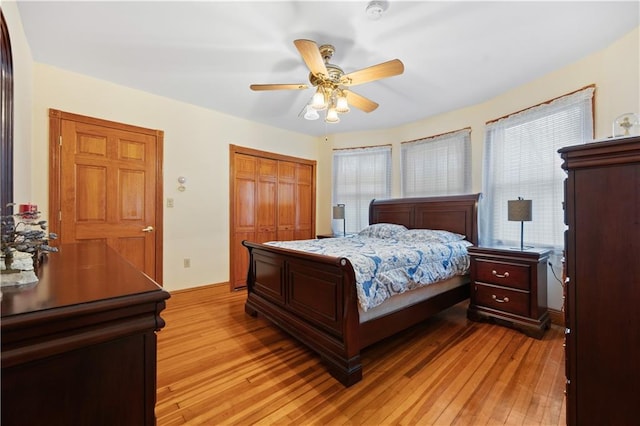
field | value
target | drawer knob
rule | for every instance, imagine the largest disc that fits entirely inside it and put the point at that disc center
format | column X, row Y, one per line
column 503, row 300
column 495, row 273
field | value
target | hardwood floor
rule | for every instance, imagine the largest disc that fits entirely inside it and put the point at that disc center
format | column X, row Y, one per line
column 217, row 365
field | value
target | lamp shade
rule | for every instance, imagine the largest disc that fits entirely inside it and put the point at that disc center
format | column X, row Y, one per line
column 332, row 116
column 519, row 210
column 318, row 101
column 311, row 113
column 338, row 211
column 342, row 106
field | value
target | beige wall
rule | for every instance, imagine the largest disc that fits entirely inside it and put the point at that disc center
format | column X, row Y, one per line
column 197, row 140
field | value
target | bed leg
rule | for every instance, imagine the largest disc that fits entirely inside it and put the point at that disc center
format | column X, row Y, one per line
column 250, row 311
column 348, row 374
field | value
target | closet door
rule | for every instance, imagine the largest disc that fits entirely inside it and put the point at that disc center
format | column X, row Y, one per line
column 272, row 197
column 243, row 218
column 305, row 202
column 286, row 200
column 266, row 193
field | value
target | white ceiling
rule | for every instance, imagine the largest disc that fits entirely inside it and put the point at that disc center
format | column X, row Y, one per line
column 207, row 53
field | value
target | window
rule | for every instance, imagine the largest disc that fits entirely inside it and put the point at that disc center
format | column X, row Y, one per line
column 360, row 175
column 439, row 165
column 521, row 160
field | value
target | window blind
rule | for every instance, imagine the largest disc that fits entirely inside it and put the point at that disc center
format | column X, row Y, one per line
column 360, row 175
column 439, row 165
column 521, row 159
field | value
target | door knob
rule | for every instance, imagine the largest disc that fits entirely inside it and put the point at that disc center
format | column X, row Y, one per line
column 148, row 229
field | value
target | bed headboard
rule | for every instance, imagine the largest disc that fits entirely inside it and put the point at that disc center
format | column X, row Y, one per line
column 456, row 213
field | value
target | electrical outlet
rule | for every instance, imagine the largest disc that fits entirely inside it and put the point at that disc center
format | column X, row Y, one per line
column 187, row 263
column 169, row 202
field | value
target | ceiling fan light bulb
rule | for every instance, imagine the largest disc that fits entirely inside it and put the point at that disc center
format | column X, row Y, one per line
column 332, row 116
column 342, row 106
column 311, row 114
column 318, row 101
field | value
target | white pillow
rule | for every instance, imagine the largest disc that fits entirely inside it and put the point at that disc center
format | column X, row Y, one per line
column 429, row 235
column 382, row 230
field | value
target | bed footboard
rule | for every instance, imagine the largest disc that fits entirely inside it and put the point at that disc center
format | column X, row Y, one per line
column 311, row 297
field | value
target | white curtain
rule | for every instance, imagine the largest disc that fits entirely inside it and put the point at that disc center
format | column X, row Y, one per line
column 360, row 175
column 439, row 165
column 521, row 160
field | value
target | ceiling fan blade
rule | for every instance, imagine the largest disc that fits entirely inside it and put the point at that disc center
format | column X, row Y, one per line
column 311, row 55
column 374, row 72
column 360, row 101
column 259, row 87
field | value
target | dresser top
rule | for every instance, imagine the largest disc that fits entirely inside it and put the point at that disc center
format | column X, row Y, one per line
column 603, row 143
column 509, row 251
column 601, row 153
column 76, row 276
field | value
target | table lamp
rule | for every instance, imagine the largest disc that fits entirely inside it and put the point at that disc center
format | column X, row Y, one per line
column 338, row 213
column 519, row 211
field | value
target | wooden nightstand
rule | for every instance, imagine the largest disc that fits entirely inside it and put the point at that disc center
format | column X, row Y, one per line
column 509, row 287
column 320, row 236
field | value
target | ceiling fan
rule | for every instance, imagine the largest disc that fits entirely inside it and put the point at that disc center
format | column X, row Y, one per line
column 333, row 92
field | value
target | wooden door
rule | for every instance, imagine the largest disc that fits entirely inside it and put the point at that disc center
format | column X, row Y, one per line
column 265, row 198
column 286, row 200
column 305, row 202
column 108, row 187
column 244, row 220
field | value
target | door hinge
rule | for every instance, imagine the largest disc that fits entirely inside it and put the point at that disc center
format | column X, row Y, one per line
column 60, row 140
column 59, row 215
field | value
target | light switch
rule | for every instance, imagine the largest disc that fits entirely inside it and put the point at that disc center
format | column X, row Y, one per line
column 170, row 202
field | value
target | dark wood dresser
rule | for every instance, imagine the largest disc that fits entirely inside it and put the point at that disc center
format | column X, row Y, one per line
column 509, row 287
column 602, row 288
column 79, row 347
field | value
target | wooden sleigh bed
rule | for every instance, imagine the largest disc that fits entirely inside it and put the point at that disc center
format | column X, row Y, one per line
column 313, row 297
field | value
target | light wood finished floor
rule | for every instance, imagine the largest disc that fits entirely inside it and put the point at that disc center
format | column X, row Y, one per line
column 217, row 365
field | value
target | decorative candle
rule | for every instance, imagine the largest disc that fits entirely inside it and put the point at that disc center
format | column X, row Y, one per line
column 29, row 211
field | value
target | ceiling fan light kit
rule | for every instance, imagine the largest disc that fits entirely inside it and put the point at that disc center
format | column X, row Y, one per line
column 333, row 92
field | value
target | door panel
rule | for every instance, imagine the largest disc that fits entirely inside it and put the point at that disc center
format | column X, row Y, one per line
column 286, row 200
column 91, row 197
column 265, row 212
column 244, row 220
column 304, row 202
column 286, row 211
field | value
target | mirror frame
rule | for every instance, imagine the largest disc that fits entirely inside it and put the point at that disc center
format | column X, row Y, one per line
column 6, row 135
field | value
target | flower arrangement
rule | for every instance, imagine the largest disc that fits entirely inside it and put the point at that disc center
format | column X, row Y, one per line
column 24, row 233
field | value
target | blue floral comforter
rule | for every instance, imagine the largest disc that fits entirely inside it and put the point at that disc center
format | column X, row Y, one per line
column 386, row 266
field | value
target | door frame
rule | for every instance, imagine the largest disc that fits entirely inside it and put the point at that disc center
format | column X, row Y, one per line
column 55, row 135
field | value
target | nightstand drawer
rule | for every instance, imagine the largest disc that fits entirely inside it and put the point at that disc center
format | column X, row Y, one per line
column 502, row 299
column 504, row 274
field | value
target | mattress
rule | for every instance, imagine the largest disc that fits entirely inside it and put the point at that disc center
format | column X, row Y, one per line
column 412, row 297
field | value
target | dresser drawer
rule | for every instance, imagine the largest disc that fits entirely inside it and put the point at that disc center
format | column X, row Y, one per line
column 504, row 274
column 502, row 299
